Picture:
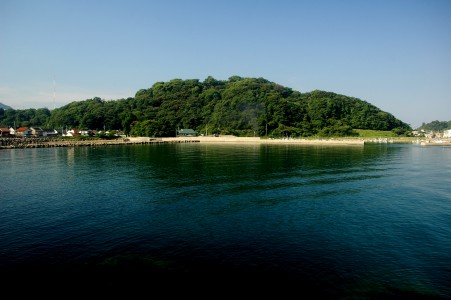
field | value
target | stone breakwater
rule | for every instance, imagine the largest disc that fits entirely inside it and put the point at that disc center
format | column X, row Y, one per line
column 435, row 142
column 12, row 143
column 21, row 143
column 45, row 142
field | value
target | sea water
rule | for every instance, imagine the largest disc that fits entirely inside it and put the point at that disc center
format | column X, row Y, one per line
column 339, row 221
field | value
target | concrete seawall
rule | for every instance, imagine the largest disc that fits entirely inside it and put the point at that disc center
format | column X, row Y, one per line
column 43, row 142
column 14, row 143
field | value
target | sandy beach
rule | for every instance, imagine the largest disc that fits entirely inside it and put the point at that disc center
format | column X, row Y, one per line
column 258, row 140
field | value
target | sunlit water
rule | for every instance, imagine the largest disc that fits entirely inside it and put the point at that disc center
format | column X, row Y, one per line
column 351, row 221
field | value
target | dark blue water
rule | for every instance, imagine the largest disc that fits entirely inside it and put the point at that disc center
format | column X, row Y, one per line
column 369, row 221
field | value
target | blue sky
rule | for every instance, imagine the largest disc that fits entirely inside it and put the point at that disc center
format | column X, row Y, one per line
column 394, row 54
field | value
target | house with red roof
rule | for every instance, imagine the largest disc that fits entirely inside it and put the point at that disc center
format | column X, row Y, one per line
column 5, row 132
column 23, row 132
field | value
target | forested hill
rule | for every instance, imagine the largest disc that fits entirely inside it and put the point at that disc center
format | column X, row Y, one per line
column 436, row 126
column 239, row 106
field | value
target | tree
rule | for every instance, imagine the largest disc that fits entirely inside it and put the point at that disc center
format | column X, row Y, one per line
column 239, row 105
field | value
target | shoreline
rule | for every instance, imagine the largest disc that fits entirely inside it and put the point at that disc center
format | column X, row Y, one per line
column 18, row 143
column 229, row 139
column 26, row 143
column 22, row 143
column 436, row 142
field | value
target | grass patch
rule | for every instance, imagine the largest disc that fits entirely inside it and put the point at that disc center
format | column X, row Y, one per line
column 366, row 133
column 376, row 134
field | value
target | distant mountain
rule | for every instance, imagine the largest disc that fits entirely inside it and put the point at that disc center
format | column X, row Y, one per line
column 5, row 106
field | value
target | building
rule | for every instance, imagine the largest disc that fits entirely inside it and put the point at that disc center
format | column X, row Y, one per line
column 49, row 132
column 186, row 132
column 37, row 131
column 73, row 132
column 5, row 132
column 23, row 132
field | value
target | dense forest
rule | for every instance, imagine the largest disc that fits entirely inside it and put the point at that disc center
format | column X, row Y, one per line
column 238, row 106
column 436, row 126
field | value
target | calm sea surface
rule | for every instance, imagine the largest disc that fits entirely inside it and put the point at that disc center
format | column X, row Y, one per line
column 340, row 222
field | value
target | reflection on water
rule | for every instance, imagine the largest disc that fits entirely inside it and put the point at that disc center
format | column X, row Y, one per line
column 338, row 221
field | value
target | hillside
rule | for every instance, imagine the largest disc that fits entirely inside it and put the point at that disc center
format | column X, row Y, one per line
column 436, row 126
column 248, row 106
column 238, row 106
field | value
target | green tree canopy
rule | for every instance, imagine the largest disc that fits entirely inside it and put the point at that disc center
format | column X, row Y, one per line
column 240, row 105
